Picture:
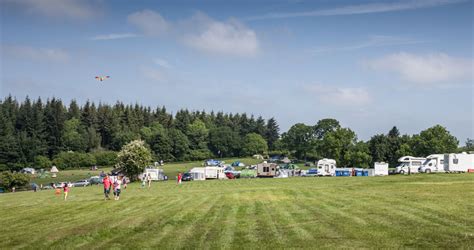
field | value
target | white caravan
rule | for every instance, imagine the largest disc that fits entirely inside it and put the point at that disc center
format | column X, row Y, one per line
column 458, row 162
column 215, row 173
column 198, row 174
column 410, row 164
column 381, row 168
column 326, row 167
column 434, row 163
column 156, row 174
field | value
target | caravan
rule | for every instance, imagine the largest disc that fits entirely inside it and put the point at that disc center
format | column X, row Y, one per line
column 156, row 174
column 409, row 164
column 326, row 167
column 267, row 170
column 434, row 163
column 456, row 163
column 380, row 168
column 215, row 173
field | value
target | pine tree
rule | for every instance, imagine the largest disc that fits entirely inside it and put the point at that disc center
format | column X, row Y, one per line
column 272, row 133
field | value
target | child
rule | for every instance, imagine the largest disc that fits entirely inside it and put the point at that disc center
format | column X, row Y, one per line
column 107, row 183
column 144, row 180
column 148, row 179
column 117, row 188
column 179, row 178
column 65, row 190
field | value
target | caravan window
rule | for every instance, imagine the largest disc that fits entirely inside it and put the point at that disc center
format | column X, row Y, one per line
column 416, row 163
column 441, row 161
column 455, row 161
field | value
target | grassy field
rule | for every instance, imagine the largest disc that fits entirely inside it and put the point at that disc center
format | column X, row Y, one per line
column 417, row 211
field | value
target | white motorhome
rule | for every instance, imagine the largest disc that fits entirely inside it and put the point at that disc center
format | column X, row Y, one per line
column 215, row 173
column 326, row 167
column 455, row 163
column 434, row 163
column 380, row 168
column 409, row 164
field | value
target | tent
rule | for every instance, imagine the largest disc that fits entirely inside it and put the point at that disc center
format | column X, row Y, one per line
column 286, row 160
column 54, row 170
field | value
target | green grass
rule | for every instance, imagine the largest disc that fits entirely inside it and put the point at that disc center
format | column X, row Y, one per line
column 417, row 211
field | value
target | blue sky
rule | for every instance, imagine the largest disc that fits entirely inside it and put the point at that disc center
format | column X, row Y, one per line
column 369, row 64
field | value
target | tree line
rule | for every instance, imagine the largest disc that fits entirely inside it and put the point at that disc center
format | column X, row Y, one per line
column 36, row 132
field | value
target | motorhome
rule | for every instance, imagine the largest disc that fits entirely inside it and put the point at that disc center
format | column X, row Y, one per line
column 455, row 163
column 380, row 168
column 434, row 163
column 409, row 164
column 326, row 167
column 267, row 170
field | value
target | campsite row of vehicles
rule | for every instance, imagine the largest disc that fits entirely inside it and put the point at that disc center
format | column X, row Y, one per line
column 437, row 163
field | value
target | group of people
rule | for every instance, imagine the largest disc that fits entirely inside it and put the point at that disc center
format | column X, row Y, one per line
column 116, row 184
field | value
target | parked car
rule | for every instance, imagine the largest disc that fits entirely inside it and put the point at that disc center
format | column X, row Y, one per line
column 94, row 180
column 81, row 183
column 187, row 177
column 312, row 172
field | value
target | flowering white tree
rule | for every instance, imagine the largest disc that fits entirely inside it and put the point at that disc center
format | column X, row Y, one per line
column 133, row 158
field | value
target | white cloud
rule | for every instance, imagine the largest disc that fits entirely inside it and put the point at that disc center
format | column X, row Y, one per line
column 360, row 9
column 424, row 69
column 36, row 54
column 201, row 32
column 113, row 36
column 341, row 96
column 149, row 22
column 373, row 41
column 163, row 63
column 229, row 37
column 78, row 9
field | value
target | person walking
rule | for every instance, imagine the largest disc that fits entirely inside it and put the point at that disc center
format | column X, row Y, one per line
column 65, row 190
column 144, row 180
column 107, row 185
column 117, row 188
column 148, row 179
column 179, row 178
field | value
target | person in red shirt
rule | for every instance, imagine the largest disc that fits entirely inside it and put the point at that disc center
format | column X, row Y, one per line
column 66, row 190
column 107, row 185
column 179, row 178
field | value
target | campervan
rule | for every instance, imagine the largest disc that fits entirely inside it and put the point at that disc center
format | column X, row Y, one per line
column 455, row 163
column 434, row 163
column 215, row 173
column 326, row 167
column 380, row 168
column 266, row 170
column 409, row 164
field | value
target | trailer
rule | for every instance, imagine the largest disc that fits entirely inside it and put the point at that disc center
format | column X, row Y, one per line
column 434, row 163
column 326, row 167
column 267, row 170
column 215, row 173
column 458, row 163
column 380, row 168
column 409, row 164
column 198, row 174
column 156, row 174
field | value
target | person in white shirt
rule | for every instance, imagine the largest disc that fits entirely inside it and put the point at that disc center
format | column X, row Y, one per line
column 117, row 187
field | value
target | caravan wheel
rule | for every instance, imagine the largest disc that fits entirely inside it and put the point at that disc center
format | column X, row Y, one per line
column 402, row 171
column 428, row 171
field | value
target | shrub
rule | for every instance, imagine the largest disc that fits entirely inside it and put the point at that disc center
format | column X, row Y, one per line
column 65, row 160
column 42, row 162
column 133, row 158
column 105, row 158
column 9, row 180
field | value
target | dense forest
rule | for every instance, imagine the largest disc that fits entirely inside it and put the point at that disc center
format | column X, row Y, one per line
column 40, row 133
